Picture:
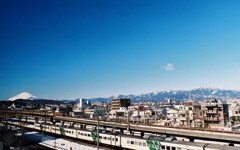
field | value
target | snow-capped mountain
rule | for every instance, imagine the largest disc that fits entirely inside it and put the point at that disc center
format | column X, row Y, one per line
column 157, row 96
column 23, row 95
column 194, row 94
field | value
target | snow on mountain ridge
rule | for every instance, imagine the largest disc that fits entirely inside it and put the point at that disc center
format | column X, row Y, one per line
column 23, row 95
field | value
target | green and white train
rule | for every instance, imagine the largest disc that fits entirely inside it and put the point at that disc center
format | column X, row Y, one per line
column 120, row 141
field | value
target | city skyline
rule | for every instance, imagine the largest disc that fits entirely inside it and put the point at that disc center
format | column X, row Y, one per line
column 71, row 49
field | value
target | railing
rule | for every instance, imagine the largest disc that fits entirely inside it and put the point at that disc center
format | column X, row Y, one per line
column 211, row 112
column 119, row 123
column 32, row 112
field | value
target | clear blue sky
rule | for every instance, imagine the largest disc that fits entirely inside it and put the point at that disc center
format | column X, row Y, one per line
column 70, row 49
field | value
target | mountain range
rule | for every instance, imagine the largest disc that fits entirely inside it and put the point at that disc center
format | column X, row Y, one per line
column 198, row 94
column 158, row 96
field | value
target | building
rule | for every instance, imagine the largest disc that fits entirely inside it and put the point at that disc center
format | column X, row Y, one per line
column 216, row 113
column 83, row 103
column 120, row 102
column 186, row 115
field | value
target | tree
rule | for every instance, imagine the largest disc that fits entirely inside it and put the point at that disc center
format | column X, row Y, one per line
column 238, row 118
column 8, row 137
column 234, row 119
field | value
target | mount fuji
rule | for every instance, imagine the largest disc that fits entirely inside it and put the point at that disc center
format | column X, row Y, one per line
column 23, row 95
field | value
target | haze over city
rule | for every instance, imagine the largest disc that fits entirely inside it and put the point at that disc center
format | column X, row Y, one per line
column 70, row 49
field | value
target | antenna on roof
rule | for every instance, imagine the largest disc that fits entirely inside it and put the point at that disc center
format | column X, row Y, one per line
column 190, row 97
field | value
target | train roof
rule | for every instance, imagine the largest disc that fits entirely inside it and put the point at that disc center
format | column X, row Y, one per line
column 208, row 145
column 173, row 140
column 162, row 138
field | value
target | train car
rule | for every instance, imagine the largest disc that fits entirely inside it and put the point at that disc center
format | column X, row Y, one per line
column 104, row 137
column 130, row 141
column 167, row 143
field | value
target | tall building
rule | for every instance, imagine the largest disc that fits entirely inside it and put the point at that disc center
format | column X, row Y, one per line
column 83, row 103
column 120, row 102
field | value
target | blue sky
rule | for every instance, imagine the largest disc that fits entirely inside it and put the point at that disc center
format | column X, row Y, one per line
column 69, row 49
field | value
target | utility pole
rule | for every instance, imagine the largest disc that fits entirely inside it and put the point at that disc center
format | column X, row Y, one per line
column 155, row 116
column 20, row 142
column 127, row 117
column 97, row 129
column 6, row 118
column 128, row 125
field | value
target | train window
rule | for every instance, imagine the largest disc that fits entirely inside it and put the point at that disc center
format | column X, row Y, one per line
column 104, row 138
column 140, row 143
column 81, row 133
column 100, row 137
column 151, row 146
column 128, row 142
column 136, row 143
column 112, row 139
column 179, row 148
column 72, row 132
column 168, row 148
column 85, row 134
column 144, row 144
column 173, row 148
column 78, row 133
column 132, row 142
column 116, row 139
column 88, row 135
column 163, row 147
column 109, row 138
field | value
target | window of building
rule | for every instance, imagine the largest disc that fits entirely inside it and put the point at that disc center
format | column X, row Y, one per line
column 210, row 108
